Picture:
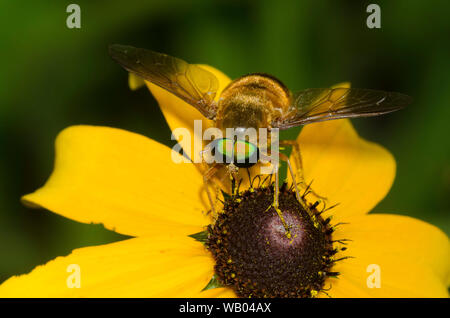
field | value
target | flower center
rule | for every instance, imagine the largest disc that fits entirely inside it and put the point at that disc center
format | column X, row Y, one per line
column 257, row 257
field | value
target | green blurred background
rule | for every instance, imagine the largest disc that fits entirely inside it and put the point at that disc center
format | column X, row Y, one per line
column 52, row 77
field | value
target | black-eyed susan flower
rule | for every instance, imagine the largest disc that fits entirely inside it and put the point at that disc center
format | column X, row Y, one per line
column 129, row 183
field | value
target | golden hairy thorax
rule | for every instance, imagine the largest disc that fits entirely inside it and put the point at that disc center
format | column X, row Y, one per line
column 252, row 101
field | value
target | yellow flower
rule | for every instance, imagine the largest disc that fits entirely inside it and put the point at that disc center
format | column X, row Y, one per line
column 128, row 183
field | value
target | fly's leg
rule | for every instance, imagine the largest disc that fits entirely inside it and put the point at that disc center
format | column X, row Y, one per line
column 233, row 171
column 275, row 204
column 207, row 176
column 276, row 195
column 299, row 163
column 300, row 199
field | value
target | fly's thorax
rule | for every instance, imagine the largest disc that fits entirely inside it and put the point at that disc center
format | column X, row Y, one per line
column 252, row 101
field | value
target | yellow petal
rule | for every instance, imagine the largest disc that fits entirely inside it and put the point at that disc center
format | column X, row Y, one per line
column 413, row 257
column 398, row 279
column 180, row 114
column 342, row 85
column 135, row 82
column 123, row 180
column 162, row 266
column 345, row 168
column 343, row 288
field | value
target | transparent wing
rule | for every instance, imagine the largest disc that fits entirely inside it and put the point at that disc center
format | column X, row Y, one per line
column 191, row 83
column 320, row 104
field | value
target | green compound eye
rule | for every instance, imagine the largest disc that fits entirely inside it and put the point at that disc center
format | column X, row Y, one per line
column 245, row 154
column 224, row 149
column 241, row 153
